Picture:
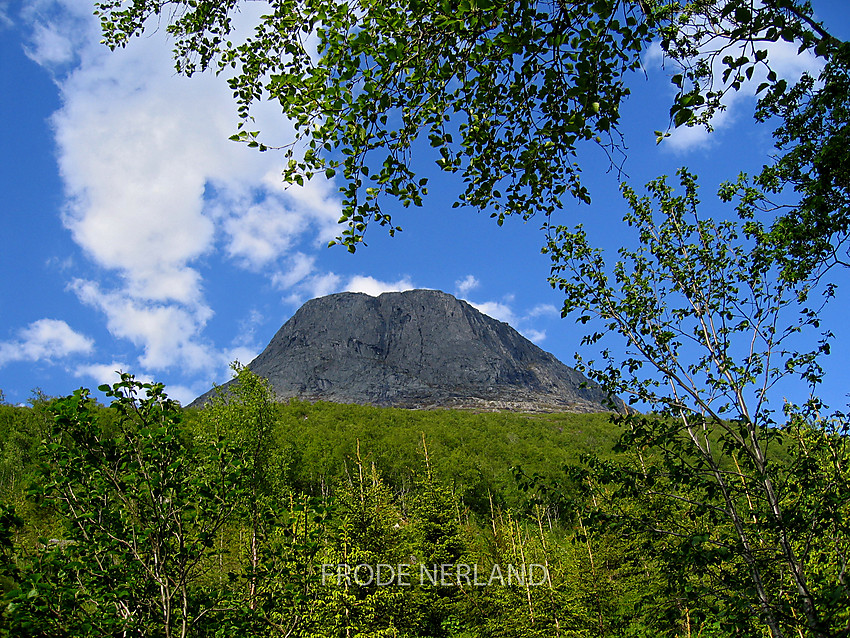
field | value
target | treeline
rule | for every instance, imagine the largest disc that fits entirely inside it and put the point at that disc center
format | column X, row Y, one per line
column 251, row 518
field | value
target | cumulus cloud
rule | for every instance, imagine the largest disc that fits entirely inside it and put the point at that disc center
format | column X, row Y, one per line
column 104, row 373
column 375, row 287
column 784, row 59
column 58, row 30
column 319, row 198
column 323, row 284
column 465, row 285
column 168, row 334
column 544, row 310
column 245, row 346
column 522, row 323
column 242, row 355
column 300, row 266
column 110, row 373
column 49, row 48
column 535, row 336
column 248, row 327
column 5, row 21
column 497, row 310
column 259, row 232
column 153, row 186
column 45, row 339
column 184, row 394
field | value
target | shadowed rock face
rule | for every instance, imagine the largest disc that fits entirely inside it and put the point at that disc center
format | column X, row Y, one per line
column 415, row 349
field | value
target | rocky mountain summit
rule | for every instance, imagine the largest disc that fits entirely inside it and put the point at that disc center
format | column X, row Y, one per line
column 415, row 349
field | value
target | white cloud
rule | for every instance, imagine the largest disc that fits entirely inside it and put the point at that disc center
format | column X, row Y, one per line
column 45, row 339
column 243, row 355
column 374, row 287
column 497, row 310
column 49, row 47
column 103, row 373
column 260, row 232
column 110, row 373
column 465, row 285
column 248, row 327
column 59, row 30
column 321, row 285
column 153, row 185
column 300, row 266
column 543, row 310
column 245, row 346
column 135, row 167
column 184, row 394
column 320, row 198
column 536, row 336
column 503, row 311
column 5, row 20
column 167, row 333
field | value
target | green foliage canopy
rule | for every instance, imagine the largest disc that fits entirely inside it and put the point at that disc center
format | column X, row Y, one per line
column 711, row 331
column 504, row 91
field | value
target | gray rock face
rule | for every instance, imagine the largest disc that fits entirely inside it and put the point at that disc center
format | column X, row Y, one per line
column 415, row 349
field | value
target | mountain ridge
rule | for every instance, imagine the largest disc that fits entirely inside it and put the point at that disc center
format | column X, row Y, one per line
column 415, row 349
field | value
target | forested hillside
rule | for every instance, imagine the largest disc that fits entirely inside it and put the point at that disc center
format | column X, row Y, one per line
column 253, row 518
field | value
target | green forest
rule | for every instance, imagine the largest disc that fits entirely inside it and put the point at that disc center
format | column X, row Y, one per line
column 255, row 518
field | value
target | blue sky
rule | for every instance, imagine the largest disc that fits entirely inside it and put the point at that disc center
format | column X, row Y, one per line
column 136, row 237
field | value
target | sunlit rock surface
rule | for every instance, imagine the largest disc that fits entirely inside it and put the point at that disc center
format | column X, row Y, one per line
column 415, row 349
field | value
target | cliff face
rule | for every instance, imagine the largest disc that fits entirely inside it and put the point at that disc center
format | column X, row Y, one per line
column 415, row 349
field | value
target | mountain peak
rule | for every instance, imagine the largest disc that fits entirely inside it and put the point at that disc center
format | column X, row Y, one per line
column 415, row 349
